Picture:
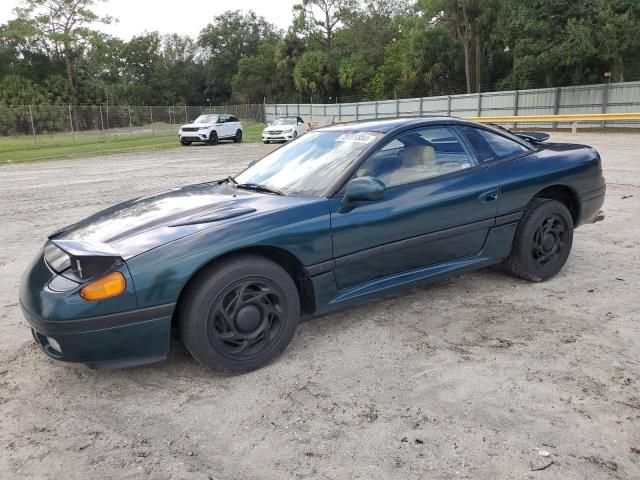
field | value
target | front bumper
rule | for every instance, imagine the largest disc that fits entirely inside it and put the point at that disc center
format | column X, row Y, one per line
column 277, row 137
column 193, row 136
column 119, row 340
column 107, row 333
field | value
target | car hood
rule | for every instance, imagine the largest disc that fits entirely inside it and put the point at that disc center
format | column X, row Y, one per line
column 279, row 127
column 198, row 125
column 138, row 225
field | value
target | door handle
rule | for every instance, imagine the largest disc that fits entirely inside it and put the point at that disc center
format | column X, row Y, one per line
column 489, row 196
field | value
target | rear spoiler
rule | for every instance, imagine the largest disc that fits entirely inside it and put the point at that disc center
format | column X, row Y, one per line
column 531, row 137
column 89, row 259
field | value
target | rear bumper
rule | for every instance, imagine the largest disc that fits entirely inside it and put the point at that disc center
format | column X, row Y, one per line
column 591, row 203
column 118, row 340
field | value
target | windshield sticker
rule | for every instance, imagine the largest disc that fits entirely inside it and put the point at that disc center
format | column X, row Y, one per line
column 356, row 137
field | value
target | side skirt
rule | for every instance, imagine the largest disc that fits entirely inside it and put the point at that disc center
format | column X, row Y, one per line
column 329, row 298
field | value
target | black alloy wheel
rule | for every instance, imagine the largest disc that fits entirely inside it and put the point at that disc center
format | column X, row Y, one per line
column 239, row 313
column 542, row 242
column 245, row 319
column 548, row 240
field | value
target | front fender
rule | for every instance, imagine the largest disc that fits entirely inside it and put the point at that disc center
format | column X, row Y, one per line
column 303, row 231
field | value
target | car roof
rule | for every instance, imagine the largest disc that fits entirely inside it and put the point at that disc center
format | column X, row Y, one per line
column 388, row 125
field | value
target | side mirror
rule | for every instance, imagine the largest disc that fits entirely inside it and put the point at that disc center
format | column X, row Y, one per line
column 252, row 163
column 362, row 189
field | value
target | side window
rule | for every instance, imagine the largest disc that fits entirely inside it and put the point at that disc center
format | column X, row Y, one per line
column 418, row 155
column 300, row 122
column 233, row 119
column 489, row 146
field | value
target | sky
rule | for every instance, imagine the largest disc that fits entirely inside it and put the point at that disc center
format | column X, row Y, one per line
column 170, row 16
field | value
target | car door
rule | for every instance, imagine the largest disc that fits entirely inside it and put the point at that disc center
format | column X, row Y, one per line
column 223, row 131
column 439, row 206
column 234, row 125
column 301, row 127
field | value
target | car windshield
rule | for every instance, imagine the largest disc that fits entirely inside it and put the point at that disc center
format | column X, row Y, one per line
column 309, row 165
column 206, row 119
column 284, row 121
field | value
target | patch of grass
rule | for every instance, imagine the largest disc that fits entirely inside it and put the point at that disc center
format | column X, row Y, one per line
column 48, row 147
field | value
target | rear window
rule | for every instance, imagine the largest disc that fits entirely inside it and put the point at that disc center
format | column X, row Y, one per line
column 490, row 146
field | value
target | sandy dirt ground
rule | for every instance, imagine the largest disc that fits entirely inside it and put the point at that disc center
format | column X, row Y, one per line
column 482, row 376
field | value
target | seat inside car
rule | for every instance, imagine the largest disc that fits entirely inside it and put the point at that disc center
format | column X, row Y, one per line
column 418, row 162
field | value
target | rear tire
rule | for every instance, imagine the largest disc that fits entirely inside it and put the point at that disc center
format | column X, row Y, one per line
column 542, row 242
column 238, row 137
column 239, row 314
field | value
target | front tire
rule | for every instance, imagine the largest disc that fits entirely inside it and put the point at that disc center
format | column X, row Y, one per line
column 213, row 138
column 238, row 137
column 542, row 242
column 239, row 314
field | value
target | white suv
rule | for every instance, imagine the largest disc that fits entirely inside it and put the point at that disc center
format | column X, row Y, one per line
column 210, row 128
column 284, row 129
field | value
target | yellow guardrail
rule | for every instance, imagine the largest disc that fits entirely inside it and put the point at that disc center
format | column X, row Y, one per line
column 571, row 118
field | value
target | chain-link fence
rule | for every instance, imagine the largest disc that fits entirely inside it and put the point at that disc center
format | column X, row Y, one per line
column 46, row 125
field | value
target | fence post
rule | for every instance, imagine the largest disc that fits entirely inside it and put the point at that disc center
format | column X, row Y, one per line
column 516, row 100
column 153, row 132
column 605, row 99
column 73, row 135
column 421, row 106
column 448, row 105
column 357, row 111
column 324, row 110
column 556, row 105
column 33, row 128
column 375, row 111
column 397, row 108
column 104, row 134
column 130, row 123
column 479, row 104
column 339, row 112
column 286, row 110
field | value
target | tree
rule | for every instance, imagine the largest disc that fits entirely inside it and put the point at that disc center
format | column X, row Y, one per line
column 314, row 74
column 617, row 39
column 353, row 73
column 319, row 19
column 425, row 60
column 61, row 27
column 228, row 38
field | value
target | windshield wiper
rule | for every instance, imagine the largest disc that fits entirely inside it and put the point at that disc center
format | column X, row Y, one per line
column 231, row 180
column 259, row 188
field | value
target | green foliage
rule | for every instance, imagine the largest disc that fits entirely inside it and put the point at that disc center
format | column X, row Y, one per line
column 335, row 49
column 230, row 37
column 314, row 74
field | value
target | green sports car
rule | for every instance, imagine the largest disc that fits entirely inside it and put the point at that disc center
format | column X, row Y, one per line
column 339, row 216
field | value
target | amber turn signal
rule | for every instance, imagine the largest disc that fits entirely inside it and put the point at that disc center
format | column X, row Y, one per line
column 108, row 286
